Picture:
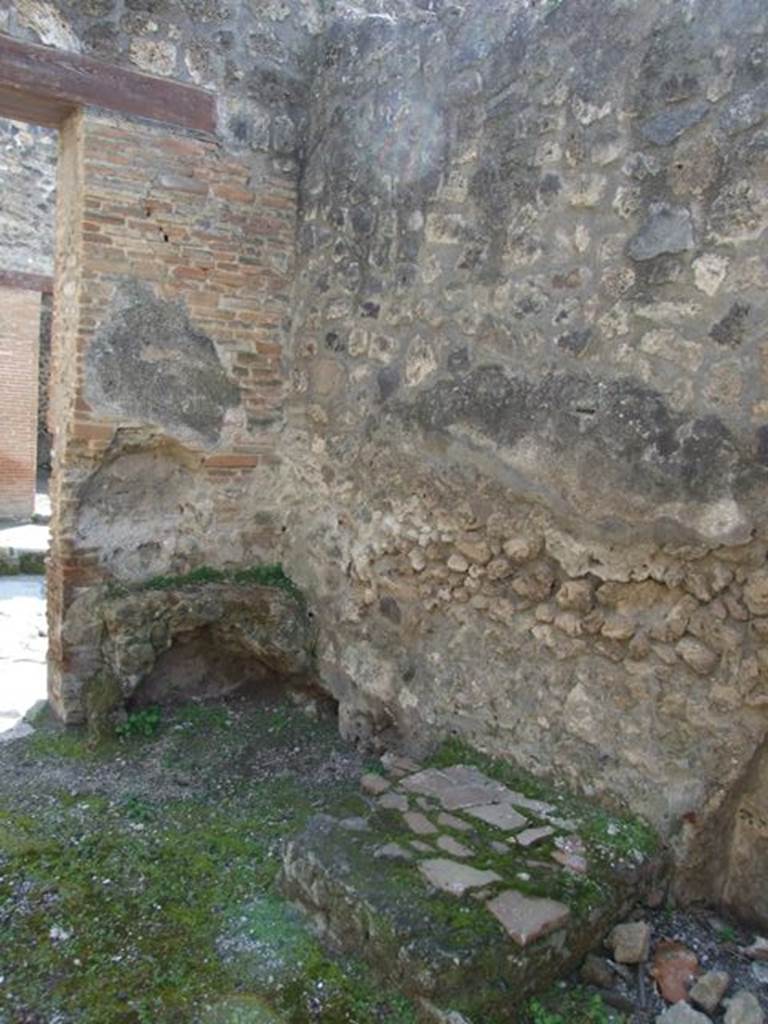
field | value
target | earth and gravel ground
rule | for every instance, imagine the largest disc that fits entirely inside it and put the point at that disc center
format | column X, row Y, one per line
column 139, row 878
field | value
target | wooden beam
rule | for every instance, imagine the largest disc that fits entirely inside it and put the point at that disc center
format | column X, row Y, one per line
column 43, row 85
column 28, row 282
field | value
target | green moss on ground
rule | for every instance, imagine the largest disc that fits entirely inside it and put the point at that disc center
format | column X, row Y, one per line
column 576, row 1005
column 148, row 893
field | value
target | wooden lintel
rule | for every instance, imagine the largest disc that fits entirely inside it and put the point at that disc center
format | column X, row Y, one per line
column 27, row 282
column 43, row 85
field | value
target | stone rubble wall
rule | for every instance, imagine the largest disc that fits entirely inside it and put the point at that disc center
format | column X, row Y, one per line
column 252, row 55
column 28, row 189
column 502, row 368
column 528, row 412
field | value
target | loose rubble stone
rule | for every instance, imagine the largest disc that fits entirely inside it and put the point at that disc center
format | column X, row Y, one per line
column 374, row 784
column 575, row 862
column 630, row 942
column 455, row 878
column 681, row 1013
column 393, row 851
column 674, row 968
column 597, row 971
column 528, row 918
column 709, row 989
column 758, row 950
column 744, row 1008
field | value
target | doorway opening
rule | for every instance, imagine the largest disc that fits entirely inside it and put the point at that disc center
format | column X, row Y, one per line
column 28, row 186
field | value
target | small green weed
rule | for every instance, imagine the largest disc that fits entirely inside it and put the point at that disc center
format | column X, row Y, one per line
column 137, row 809
column 727, row 934
column 143, row 723
column 576, row 1006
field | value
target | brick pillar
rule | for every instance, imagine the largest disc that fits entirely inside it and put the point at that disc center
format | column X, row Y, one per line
column 19, row 334
column 178, row 215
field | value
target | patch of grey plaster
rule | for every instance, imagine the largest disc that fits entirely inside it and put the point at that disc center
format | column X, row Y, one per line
column 149, row 365
column 553, row 429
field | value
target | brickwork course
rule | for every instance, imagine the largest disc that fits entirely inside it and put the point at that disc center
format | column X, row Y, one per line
column 458, row 314
column 19, row 331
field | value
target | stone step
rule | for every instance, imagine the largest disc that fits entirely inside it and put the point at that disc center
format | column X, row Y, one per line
column 433, row 889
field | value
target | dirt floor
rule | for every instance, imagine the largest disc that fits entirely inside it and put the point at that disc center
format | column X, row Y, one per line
column 138, row 881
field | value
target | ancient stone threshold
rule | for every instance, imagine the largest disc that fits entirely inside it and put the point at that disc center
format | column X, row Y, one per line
column 468, row 895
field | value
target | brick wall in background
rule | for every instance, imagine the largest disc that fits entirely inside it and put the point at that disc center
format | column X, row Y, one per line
column 19, row 330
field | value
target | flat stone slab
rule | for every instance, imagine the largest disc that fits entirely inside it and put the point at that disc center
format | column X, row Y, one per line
column 532, row 836
column 456, row 787
column 394, row 802
column 455, row 878
column 453, row 847
column 527, row 919
column 446, row 820
column 501, row 815
column 419, row 823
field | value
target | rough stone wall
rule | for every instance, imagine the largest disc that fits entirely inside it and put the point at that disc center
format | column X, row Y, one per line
column 528, row 427
column 523, row 457
column 19, row 317
column 28, row 189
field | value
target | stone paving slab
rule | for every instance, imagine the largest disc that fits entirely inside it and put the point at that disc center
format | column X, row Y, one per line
column 434, row 917
column 454, row 878
column 528, row 918
column 23, row 650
